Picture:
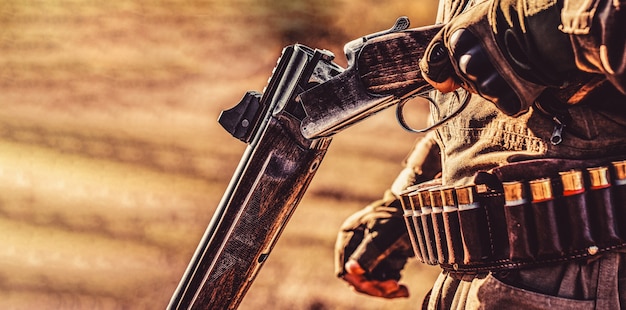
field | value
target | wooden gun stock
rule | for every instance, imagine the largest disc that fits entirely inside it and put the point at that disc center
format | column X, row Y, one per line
column 306, row 91
column 383, row 71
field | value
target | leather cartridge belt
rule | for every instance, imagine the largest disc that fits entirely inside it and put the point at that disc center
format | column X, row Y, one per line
column 504, row 221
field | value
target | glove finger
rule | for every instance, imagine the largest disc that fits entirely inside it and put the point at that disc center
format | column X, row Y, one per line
column 479, row 74
column 355, row 276
column 372, row 234
column 436, row 67
column 392, row 289
column 354, row 229
column 379, row 252
column 346, row 244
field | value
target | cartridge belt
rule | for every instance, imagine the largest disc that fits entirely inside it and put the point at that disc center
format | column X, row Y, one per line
column 504, row 220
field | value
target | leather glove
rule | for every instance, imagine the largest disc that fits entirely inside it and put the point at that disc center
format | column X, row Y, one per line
column 503, row 50
column 376, row 239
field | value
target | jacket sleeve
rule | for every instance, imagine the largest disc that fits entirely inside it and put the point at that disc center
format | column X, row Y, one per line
column 559, row 37
column 597, row 29
column 511, row 52
column 422, row 164
column 376, row 236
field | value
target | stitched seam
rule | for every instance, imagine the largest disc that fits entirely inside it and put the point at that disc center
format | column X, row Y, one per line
column 499, row 134
column 507, row 264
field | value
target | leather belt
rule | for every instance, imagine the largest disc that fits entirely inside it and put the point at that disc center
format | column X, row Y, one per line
column 504, row 221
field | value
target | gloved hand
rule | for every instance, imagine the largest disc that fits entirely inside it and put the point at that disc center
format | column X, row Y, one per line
column 372, row 248
column 506, row 51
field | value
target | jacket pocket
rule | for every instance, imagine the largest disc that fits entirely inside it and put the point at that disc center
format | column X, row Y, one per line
column 495, row 294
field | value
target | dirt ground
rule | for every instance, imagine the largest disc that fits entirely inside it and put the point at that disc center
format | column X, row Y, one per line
column 112, row 162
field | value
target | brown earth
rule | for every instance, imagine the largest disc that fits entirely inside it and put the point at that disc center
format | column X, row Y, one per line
column 111, row 161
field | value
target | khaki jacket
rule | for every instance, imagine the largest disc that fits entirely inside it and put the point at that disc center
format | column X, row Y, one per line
column 591, row 127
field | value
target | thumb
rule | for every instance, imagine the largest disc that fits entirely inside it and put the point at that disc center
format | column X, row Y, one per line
column 354, row 268
column 436, row 67
column 387, row 289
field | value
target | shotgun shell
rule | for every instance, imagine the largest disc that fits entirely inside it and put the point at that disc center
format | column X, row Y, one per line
column 514, row 193
column 424, row 199
column 465, row 196
column 572, row 182
column 541, row 190
column 405, row 200
column 599, row 177
column 435, row 200
column 414, row 200
column 448, row 196
column 620, row 172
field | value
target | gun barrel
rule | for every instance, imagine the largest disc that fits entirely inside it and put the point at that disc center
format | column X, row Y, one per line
column 241, row 238
column 267, row 186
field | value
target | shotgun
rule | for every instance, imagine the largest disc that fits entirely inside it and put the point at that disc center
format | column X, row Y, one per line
column 288, row 128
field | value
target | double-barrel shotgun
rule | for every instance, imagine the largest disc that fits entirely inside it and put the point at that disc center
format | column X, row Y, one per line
column 288, row 128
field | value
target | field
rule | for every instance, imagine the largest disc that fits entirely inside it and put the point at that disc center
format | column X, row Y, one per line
column 112, row 162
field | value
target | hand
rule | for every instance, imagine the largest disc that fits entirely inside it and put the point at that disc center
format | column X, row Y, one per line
column 356, row 276
column 372, row 248
column 467, row 64
column 487, row 53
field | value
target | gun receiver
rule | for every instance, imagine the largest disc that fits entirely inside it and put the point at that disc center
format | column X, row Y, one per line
column 288, row 128
column 382, row 71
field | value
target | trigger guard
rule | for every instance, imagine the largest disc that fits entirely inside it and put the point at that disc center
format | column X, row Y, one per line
column 445, row 119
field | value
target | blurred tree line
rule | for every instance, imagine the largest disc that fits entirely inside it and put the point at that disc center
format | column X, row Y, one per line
column 335, row 22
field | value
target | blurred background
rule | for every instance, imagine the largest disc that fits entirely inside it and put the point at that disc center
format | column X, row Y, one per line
column 112, row 161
